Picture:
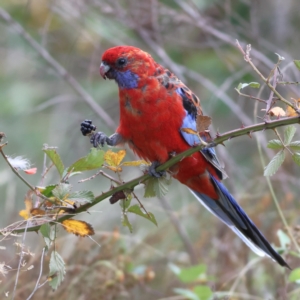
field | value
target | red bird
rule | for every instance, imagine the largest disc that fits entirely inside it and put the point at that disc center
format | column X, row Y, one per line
column 154, row 106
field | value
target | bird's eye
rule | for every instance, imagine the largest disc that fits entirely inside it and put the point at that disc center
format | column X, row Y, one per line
column 121, row 62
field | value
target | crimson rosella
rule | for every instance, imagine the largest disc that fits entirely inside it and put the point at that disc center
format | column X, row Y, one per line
column 154, row 106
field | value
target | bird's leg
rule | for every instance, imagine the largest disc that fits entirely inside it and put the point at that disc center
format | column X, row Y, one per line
column 153, row 172
column 99, row 138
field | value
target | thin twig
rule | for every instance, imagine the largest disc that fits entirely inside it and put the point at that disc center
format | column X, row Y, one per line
column 20, row 262
column 265, row 80
column 287, row 82
column 22, row 178
column 141, row 204
column 270, row 100
column 14, row 170
column 37, row 286
column 251, row 97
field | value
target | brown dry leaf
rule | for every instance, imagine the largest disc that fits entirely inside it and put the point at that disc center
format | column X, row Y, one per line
column 117, row 196
column 37, row 212
column 25, row 213
column 189, row 130
column 203, row 122
column 114, row 158
column 77, row 227
column 277, row 112
column 135, row 163
column 290, row 112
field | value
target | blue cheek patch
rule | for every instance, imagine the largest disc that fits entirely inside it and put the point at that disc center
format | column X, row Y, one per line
column 127, row 79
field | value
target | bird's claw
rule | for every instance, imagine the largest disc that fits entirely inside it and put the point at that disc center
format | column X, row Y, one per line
column 153, row 172
column 86, row 127
column 99, row 138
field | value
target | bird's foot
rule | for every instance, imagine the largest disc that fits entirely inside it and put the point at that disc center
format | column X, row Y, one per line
column 153, row 172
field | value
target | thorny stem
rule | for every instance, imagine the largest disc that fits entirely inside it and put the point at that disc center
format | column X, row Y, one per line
column 131, row 184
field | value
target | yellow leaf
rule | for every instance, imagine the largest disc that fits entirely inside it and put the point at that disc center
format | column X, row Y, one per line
column 135, row 163
column 114, row 169
column 189, row 130
column 69, row 202
column 290, row 112
column 25, row 213
column 203, row 123
column 77, row 227
column 114, row 158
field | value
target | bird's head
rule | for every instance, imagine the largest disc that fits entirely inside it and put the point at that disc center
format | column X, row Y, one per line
column 127, row 65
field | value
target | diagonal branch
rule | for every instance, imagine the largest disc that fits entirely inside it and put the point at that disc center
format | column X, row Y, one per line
column 130, row 185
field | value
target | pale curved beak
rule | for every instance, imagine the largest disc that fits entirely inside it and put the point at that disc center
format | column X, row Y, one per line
column 104, row 68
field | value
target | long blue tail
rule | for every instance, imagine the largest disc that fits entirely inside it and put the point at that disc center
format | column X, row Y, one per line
column 228, row 211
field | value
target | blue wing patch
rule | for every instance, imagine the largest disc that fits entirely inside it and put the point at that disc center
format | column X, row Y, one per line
column 189, row 121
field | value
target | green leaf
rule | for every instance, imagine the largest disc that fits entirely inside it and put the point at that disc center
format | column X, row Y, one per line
column 203, row 292
column 295, row 275
column 296, row 158
column 275, row 163
column 255, row 85
column 47, row 192
column 81, row 197
column 275, row 144
column 284, row 239
column 62, row 190
column 156, row 187
column 187, row 294
column 295, row 145
column 191, row 274
column 150, row 190
column 135, row 209
column 297, row 64
column 57, row 270
column 55, row 158
column 48, row 232
column 93, row 160
column 289, row 133
column 126, row 223
column 126, row 202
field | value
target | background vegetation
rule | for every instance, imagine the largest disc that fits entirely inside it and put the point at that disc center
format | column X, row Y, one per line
column 196, row 40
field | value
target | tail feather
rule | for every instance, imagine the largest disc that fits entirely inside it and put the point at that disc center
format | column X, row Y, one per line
column 228, row 211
